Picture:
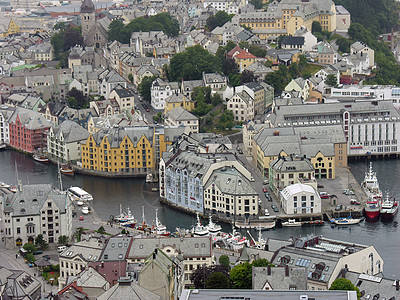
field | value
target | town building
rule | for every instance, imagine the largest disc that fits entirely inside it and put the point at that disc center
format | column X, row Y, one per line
column 160, row 90
column 5, row 114
column 196, row 251
column 28, row 130
column 124, row 97
column 18, row 284
column 242, row 106
column 178, row 100
column 94, row 31
column 33, row 210
column 181, row 117
column 109, row 80
column 359, row 47
column 64, row 141
column 279, row 278
column 285, row 171
column 127, row 289
column 105, row 108
column 300, row 198
column 262, row 93
column 215, row 81
column 76, row 258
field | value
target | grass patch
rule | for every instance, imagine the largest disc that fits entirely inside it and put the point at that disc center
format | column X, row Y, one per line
column 312, row 69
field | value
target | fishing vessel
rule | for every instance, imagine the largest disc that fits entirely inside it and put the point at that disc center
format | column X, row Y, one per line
column 198, row 229
column 67, row 170
column 159, row 228
column 235, row 240
column 259, row 243
column 143, row 226
column 371, row 188
column 41, row 158
column 292, row 223
column 213, row 227
column 149, row 178
column 389, row 208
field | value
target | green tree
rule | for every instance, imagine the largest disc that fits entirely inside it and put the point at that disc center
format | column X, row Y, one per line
column 145, row 86
column 200, row 275
column 191, row 64
column 101, row 230
column 247, row 76
column 30, row 257
column 40, row 242
column 258, row 4
column 343, row 284
column 130, row 77
column 76, row 99
column 115, row 30
column 63, row 240
column 316, row 27
column 30, row 247
column 331, row 80
column 241, row 274
column 218, row 20
column 224, row 260
column 217, row 280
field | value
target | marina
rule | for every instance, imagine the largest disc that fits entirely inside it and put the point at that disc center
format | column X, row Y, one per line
column 109, row 193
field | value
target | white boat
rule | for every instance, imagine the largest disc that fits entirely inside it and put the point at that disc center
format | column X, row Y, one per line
column 159, row 228
column 370, row 184
column 85, row 210
column 76, row 193
column 4, row 185
column 213, row 227
column 389, row 208
column 198, row 229
column 149, row 178
column 259, row 243
column 79, row 203
column 235, row 240
column 346, row 221
column 291, row 223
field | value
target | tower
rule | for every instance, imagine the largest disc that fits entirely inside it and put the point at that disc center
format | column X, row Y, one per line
column 88, row 18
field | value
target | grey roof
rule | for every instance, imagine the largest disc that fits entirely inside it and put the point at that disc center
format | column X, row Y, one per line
column 124, row 93
column 278, row 279
column 72, row 132
column 189, row 85
column 210, row 78
column 128, row 290
column 289, row 163
column 230, row 181
column 19, row 284
column 113, row 77
column 248, row 254
column 358, row 46
column 89, row 278
column 188, row 246
column 180, row 114
column 116, row 135
column 293, row 40
column 177, row 98
column 195, row 294
column 89, row 250
column 87, row 6
column 31, row 199
column 116, row 248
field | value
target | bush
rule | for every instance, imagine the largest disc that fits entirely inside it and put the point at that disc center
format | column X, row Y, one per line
column 224, row 260
column 30, row 247
column 101, row 230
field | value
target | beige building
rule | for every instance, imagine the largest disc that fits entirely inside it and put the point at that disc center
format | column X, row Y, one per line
column 124, row 97
column 242, row 106
column 229, row 192
column 300, row 198
column 181, row 117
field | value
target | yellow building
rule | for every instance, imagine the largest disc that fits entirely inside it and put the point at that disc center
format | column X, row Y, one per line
column 130, row 150
column 287, row 16
column 13, row 28
column 244, row 59
column 176, row 100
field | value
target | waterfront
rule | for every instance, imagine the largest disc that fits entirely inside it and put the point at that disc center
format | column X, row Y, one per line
column 134, row 193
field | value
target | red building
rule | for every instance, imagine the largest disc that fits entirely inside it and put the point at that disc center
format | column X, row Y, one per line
column 28, row 130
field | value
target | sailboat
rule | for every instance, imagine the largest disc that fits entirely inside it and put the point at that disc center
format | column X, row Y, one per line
column 159, row 228
column 67, row 169
column 143, row 226
column 346, row 220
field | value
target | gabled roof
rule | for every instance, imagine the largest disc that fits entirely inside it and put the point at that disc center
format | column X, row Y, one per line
column 245, row 54
column 293, row 40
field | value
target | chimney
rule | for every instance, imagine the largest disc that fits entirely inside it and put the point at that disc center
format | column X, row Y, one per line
column 397, row 285
column 102, row 264
column 269, row 270
column 286, row 271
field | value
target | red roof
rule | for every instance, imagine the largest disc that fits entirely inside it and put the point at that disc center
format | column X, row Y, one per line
column 234, row 50
column 245, row 55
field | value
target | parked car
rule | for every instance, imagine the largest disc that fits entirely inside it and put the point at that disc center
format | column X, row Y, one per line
column 273, row 206
column 270, row 199
column 320, row 186
column 348, row 192
column 37, row 252
column 266, row 212
column 81, row 218
column 276, row 209
column 265, row 190
column 267, row 195
column 324, row 195
column 239, row 151
column 265, row 182
column 354, row 202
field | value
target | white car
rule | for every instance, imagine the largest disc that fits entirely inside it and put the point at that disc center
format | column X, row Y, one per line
column 266, row 212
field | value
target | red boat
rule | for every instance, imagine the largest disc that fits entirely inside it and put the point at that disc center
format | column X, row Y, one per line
column 372, row 208
column 41, row 158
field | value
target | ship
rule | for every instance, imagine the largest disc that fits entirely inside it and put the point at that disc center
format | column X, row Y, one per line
column 159, row 228
column 213, row 227
column 389, row 208
column 41, row 158
column 198, row 229
column 292, row 223
column 371, row 188
column 67, row 170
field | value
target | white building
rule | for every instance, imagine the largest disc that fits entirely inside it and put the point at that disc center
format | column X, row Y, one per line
column 300, row 199
column 228, row 6
column 309, row 39
column 160, row 90
column 242, row 106
column 109, row 80
column 63, row 141
column 181, row 117
column 33, row 210
column 358, row 48
column 5, row 114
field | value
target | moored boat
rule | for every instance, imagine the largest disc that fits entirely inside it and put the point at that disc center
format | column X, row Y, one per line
column 292, row 223
column 371, row 188
column 85, row 210
column 149, row 178
column 67, row 170
column 159, row 228
column 41, row 158
column 199, row 229
column 213, row 227
column 346, row 221
column 389, row 208
column 372, row 208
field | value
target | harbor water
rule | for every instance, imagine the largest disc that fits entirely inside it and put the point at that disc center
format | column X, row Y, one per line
column 134, row 193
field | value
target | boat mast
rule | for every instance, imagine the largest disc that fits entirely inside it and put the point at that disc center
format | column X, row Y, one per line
column 59, row 176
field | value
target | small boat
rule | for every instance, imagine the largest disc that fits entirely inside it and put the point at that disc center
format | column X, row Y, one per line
column 346, row 221
column 259, row 243
column 142, row 226
column 198, row 229
column 4, row 185
column 41, row 158
column 159, row 228
column 292, row 223
column 149, row 178
column 235, row 240
column 67, row 170
column 389, row 208
column 79, row 202
column 85, row 210
column 213, row 227
column 76, row 193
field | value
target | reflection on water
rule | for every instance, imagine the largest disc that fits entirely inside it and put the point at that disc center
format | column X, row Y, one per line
column 134, row 193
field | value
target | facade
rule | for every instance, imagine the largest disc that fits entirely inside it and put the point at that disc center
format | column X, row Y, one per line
column 262, row 93
column 178, row 100
column 76, row 258
column 41, row 52
column 279, row 278
column 18, row 284
column 94, row 32
column 285, row 171
column 242, row 106
column 105, row 108
column 160, row 90
column 244, row 59
column 64, row 141
column 134, row 150
column 300, row 198
column 371, row 128
column 358, row 48
column 124, row 97
column 28, row 130
column 196, row 251
column 33, row 210
column 181, row 117
column 5, row 114
column 215, row 81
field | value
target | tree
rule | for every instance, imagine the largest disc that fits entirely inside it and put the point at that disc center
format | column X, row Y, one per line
column 115, row 30
column 331, row 80
column 145, row 86
column 217, row 280
column 40, row 242
column 241, row 274
column 224, row 260
column 316, row 27
column 30, row 247
column 258, row 4
column 191, row 64
column 76, row 99
column 101, row 230
column 343, row 284
column 247, row 76
column 130, row 77
column 218, row 20
column 200, row 275
column 30, row 257
column 63, row 240
column 229, row 66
